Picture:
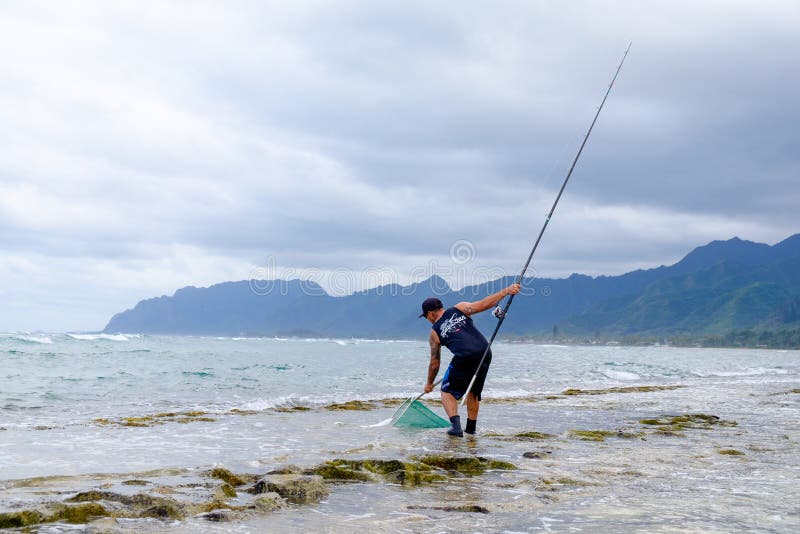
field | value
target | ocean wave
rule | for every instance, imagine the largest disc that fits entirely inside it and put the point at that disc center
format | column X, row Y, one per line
column 44, row 340
column 621, row 375
column 107, row 337
column 749, row 371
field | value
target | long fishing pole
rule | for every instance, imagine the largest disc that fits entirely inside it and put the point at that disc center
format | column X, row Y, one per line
column 501, row 315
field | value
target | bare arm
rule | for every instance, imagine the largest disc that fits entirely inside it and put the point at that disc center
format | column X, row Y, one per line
column 468, row 308
column 436, row 357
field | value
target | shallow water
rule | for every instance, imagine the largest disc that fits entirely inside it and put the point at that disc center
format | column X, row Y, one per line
column 64, row 400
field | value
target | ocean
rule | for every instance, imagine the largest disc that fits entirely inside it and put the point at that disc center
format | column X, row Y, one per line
column 570, row 438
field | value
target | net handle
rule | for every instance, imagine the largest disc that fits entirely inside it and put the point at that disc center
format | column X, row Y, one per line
column 397, row 417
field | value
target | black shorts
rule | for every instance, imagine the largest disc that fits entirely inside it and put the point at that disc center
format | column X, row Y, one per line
column 459, row 374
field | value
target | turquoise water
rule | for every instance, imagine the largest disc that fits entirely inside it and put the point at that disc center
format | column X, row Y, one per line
column 63, row 397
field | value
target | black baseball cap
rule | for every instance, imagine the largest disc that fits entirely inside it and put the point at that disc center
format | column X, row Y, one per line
column 429, row 305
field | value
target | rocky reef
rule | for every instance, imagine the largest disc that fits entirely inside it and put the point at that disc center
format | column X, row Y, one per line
column 221, row 495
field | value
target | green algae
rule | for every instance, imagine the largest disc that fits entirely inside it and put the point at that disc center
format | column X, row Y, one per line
column 157, row 419
column 226, row 476
column 351, row 405
column 468, row 508
column 466, row 465
column 625, row 389
column 287, row 409
column 673, row 425
column 214, row 505
column 395, row 471
column 532, row 435
column 79, row 514
column 135, row 483
column 422, row 470
column 536, row 455
column 340, row 471
column 20, row 519
column 591, row 435
column 228, row 491
column 731, row 452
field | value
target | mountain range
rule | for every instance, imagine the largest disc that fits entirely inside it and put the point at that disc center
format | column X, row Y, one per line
column 716, row 288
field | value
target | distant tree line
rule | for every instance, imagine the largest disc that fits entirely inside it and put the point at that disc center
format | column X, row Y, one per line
column 777, row 339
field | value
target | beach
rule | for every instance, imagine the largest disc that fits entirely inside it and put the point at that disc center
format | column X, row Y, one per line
column 150, row 429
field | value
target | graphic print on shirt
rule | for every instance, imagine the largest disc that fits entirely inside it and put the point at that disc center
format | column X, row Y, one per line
column 453, row 323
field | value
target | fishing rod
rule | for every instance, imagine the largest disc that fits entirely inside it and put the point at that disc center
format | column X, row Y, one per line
column 501, row 313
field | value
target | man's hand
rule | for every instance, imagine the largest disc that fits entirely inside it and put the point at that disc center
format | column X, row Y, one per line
column 513, row 289
column 428, row 387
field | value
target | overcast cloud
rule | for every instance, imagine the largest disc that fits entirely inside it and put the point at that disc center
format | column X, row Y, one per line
column 151, row 146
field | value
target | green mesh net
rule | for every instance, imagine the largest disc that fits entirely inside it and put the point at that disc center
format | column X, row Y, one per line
column 412, row 413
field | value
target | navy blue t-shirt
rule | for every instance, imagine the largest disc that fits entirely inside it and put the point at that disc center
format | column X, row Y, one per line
column 458, row 333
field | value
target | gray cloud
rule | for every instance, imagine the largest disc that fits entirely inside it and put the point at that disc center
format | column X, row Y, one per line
column 151, row 147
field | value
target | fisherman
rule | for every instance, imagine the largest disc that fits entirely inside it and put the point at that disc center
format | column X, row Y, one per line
column 453, row 328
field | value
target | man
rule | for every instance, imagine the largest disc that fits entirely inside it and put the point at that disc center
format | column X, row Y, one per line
column 453, row 328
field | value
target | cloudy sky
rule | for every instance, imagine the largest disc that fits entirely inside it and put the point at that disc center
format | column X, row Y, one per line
column 148, row 146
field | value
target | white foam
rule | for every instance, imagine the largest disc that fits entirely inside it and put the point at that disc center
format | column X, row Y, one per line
column 33, row 339
column 750, row 371
column 385, row 422
column 94, row 337
column 621, row 375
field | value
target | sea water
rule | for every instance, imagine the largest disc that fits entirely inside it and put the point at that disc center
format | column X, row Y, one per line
column 79, row 412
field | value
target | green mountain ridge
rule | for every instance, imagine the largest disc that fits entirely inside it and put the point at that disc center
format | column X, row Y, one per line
column 716, row 288
column 727, row 296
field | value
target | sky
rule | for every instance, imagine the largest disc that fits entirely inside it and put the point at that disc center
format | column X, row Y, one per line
column 150, row 146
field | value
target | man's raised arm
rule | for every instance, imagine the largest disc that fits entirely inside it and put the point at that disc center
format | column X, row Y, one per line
column 469, row 308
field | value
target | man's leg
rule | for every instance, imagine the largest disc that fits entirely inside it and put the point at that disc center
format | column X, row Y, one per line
column 450, row 404
column 451, row 408
column 473, row 405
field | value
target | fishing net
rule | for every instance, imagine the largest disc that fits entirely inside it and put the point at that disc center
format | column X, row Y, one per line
column 412, row 413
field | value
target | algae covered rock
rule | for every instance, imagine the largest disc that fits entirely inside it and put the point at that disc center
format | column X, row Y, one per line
column 531, row 435
column 298, row 489
column 226, row 476
column 394, row 471
column 601, row 435
column 340, row 471
column 23, row 518
column 674, row 425
column 138, row 505
column 536, row 455
column 268, row 502
column 466, row 465
column 351, row 405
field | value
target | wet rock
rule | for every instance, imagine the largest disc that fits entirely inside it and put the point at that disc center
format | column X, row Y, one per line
column 537, row 455
column 591, row 435
column 731, row 452
column 20, row 519
column 673, row 425
column 268, row 502
column 226, row 476
column 626, row 389
column 139, row 505
column 135, row 483
column 298, row 489
column 217, row 516
column 352, row 405
column 287, row 470
column 530, row 436
column 467, row 465
column 340, row 471
column 395, row 471
column 78, row 514
column 227, row 491
column 470, row 508
column 286, row 409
